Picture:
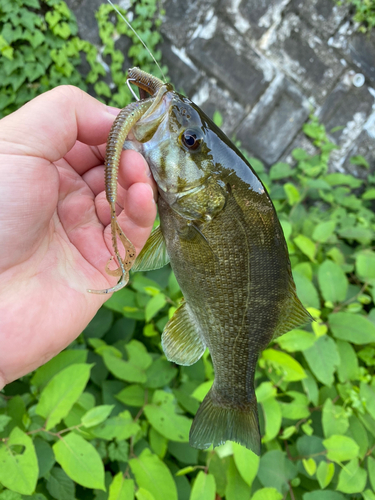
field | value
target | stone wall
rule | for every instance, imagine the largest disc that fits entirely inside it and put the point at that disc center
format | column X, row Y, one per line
column 266, row 65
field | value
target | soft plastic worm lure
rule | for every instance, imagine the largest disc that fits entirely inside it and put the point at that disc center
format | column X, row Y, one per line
column 120, row 129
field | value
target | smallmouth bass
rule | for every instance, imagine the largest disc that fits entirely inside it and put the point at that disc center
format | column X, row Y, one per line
column 219, row 230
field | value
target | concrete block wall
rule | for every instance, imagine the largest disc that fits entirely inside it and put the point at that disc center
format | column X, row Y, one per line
column 265, row 65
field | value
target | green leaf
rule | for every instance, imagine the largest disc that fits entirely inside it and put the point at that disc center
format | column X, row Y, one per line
column 292, row 193
column 352, row 478
column 323, row 359
column 4, row 421
column 56, row 364
column 291, row 370
column 60, row 486
column 367, row 393
column 267, row 494
column 306, row 245
column 296, row 340
column 119, row 427
column 160, row 374
column 272, row 418
column 283, row 470
column 368, row 495
column 323, row 495
column 154, row 305
column 333, row 282
column 143, row 494
column 46, row 458
column 119, row 451
column 324, row 231
column 247, row 463
column 352, row 327
column 133, row 395
column 133, row 370
column 371, row 471
column 306, row 291
column 309, row 465
column 60, row 394
column 121, row 488
column 365, row 265
column 80, row 460
column 204, row 487
column 325, row 473
column 348, row 368
column 201, row 391
column 96, row 415
column 18, row 463
column 334, row 419
column 341, row 448
column 280, row 171
column 162, row 416
column 217, row 118
column 359, row 160
column 236, row 489
column 153, row 475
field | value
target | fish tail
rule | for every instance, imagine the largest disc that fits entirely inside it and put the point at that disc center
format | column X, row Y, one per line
column 214, row 424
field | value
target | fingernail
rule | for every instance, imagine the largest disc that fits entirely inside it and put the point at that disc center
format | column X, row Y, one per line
column 113, row 111
column 152, row 192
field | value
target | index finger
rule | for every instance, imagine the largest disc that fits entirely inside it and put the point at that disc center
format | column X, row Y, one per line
column 49, row 125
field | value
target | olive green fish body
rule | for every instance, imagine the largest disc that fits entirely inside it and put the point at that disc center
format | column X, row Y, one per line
column 229, row 255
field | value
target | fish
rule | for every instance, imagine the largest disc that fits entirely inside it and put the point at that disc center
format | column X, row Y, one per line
column 220, row 233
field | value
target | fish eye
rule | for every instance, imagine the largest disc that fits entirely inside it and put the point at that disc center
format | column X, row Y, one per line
column 191, row 139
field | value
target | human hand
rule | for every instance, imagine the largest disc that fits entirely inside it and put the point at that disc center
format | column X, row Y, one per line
column 55, row 236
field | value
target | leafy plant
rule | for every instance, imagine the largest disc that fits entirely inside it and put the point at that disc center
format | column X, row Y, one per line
column 364, row 13
column 108, row 418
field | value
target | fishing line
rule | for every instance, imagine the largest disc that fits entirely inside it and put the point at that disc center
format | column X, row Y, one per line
column 139, row 38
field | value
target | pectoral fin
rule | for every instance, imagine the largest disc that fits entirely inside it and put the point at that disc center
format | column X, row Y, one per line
column 154, row 254
column 181, row 339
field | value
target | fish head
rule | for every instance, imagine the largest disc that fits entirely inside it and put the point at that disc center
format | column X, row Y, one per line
column 176, row 141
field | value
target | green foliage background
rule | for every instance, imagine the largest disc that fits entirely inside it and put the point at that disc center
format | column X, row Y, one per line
column 109, row 417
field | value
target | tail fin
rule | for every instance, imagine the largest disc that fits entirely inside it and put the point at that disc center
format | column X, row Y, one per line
column 215, row 424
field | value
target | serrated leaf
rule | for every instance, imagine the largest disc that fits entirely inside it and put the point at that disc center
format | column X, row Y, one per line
column 153, row 475
column 333, row 282
column 60, row 394
column 96, row 415
column 121, row 488
column 204, row 487
column 18, row 463
column 341, row 448
column 80, row 460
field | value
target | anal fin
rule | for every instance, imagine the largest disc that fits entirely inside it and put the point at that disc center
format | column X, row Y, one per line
column 154, row 254
column 181, row 339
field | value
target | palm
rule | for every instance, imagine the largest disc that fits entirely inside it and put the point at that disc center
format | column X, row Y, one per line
column 55, row 242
